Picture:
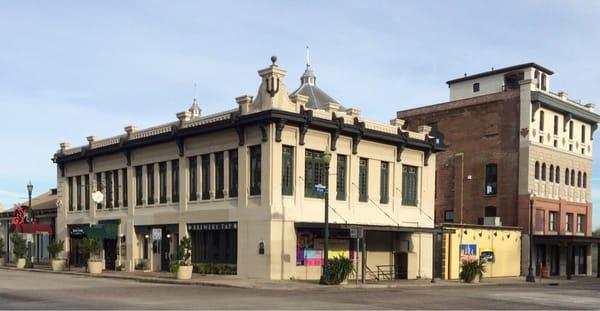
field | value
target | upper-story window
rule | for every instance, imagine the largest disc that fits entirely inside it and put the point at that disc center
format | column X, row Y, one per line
column 536, row 75
column 555, row 125
column 584, row 180
column 569, row 222
column 219, row 175
column 557, row 175
column 544, row 81
column 162, row 182
column 475, row 87
column 233, row 173
column 108, row 176
column 553, row 222
column 491, row 178
column 541, row 120
column 88, row 191
column 341, row 177
column 551, row 173
column 193, row 175
column 583, row 133
column 287, row 170
column 570, row 129
column 139, row 190
column 579, row 179
column 150, row 182
column 175, row 180
column 99, row 187
column 384, row 187
column 490, row 211
column 255, row 178
column 409, row 185
column 363, row 180
column 78, row 184
column 205, row 163
column 544, row 171
column 573, row 178
column 314, row 173
column 567, row 176
column 536, row 172
column 580, row 224
column 70, row 190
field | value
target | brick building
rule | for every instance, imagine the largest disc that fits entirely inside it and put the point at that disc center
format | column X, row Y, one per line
column 511, row 144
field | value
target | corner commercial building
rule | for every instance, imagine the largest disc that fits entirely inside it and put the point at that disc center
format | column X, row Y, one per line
column 509, row 136
column 241, row 183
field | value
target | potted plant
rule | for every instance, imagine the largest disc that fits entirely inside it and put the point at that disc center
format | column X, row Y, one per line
column 93, row 247
column 19, row 249
column 471, row 271
column 182, row 265
column 54, row 248
column 2, row 252
column 338, row 270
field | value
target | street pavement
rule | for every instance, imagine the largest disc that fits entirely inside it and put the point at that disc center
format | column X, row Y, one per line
column 29, row 290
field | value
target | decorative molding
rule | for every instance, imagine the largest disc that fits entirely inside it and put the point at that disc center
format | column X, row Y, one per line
column 335, row 134
column 308, row 118
column 429, row 151
column 180, row 141
column 402, row 145
column 263, row 130
column 358, row 136
column 240, row 132
column 127, row 153
column 61, row 167
column 279, row 125
column 90, row 162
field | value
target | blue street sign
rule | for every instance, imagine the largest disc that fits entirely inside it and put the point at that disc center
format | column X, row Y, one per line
column 320, row 188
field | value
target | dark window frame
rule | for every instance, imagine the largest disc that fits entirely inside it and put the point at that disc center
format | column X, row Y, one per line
column 255, row 169
column 150, row 186
column 162, row 182
column 384, row 183
column 314, row 173
column 139, row 186
column 363, row 180
column 476, row 87
column 410, row 181
column 70, row 191
column 287, row 170
column 175, row 180
column 193, row 178
column 491, row 179
column 219, row 175
column 205, row 174
column 340, row 185
column 233, row 173
column 125, row 187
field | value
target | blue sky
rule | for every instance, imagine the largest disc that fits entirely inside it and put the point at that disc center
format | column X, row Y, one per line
column 69, row 69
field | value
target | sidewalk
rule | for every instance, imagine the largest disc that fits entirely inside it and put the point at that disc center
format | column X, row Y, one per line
column 238, row 282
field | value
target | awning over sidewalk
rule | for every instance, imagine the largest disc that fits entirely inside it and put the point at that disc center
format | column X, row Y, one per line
column 32, row 228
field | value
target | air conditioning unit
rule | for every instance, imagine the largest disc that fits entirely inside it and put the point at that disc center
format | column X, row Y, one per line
column 492, row 221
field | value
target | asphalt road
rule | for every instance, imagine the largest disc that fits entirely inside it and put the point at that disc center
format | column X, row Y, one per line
column 27, row 290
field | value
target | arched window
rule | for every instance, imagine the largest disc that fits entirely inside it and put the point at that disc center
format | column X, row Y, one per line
column 475, row 87
column 579, row 179
column 584, row 180
column 490, row 211
column 557, row 180
column 541, row 120
column 551, row 174
column 573, row 178
column 543, row 171
column 566, row 176
column 537, row 170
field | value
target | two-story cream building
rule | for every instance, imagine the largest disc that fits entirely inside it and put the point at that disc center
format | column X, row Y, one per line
column 241, row 184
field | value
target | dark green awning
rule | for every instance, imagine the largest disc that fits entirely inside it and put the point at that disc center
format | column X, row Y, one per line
column 102, row 231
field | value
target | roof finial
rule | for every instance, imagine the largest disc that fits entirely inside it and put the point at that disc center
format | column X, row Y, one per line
column 195, row 109
column 307, row 56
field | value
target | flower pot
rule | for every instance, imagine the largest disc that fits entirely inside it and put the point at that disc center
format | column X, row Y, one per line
column 94, row 267
column 57, row 264
column 184, row 272
column 21, row 263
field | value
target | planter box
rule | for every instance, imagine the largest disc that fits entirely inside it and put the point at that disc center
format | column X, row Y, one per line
column 58, row 264
column 94, row 267
column 21, row 263
column 184, row 272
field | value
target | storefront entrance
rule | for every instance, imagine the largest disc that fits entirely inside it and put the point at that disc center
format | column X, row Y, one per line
column 214, row 242
column 76, row 256
column 401, row 265
column 110, row 254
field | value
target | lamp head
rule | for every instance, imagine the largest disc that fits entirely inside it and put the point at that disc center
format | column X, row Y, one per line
column 30, row 187
column 326, row 157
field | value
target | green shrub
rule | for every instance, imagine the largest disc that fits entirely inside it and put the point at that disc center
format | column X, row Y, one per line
column 19, row 245
column 55, row 247
column 338, row 270
column 214, row 268
column 92, row 247
column 471, row 269
column 2, row 252
column 141, row 265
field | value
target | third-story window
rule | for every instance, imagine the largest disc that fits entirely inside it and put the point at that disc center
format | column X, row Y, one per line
column 287, row 170
column 219, row 175
column 537, row 170
column 139, row 187
column 363, row 180
column 475, row 87
column 541, row 120
column 569, row 223
column 150, row 182
column 555, row 125
column 491, row 178
column 579, row 179
column 70, row 187
column 125, row 189
column 409, row 185
column 583, row 133
column 233, row 173
column 162, row 181
column 584, row 180
column 205, row 162
column 544, row 171
column 553, row 222
column 384, row 184
column 551, row 173
column 314, row 171
column 340, row 184
column 557, row 175
column 580, row 224
column 573, row 178
column 193, row 169
column 255, row 179
column 175, row 181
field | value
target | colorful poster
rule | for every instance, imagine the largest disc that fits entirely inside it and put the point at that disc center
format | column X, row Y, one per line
column 468, row 252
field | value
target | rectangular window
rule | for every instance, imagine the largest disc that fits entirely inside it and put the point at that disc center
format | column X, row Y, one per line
column 99, row 188
column 70, row 189
column 78, row 191
column 193, row 169
column 150, row 182
column 255, row 158
column 340, row 184
column 542, row 121
column 205, row 162
column 125, row 189
column 116, row 187
column 555, row 125
column 139, row 187
column 491, row 179
column 449, row 216
column 162, row 182
column 409, row 185
column 88, row 192
column 363, row 180
column 539, row 220
column 569, row 223
column 287, row 170
column 233, row 173
column 583, row 133
column 109, row 189
column 570, row 129
column 553, row 222
column 384, row 187
column 219, row 175
column 314, row 171
column 580, row 224
column 175, row 180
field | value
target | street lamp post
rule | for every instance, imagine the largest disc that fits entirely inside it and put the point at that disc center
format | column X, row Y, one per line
column 32, row 220
column 530, row 276
column 325, row 276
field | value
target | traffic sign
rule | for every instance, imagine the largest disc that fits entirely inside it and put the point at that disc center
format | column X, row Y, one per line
column 320, row 188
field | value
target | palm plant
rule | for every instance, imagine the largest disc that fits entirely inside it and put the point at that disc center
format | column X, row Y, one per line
column 470, row 270
column 93, row 247
column 55, row 247
column 19, row 246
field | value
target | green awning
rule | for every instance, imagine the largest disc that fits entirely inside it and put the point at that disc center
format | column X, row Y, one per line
column 102, row 231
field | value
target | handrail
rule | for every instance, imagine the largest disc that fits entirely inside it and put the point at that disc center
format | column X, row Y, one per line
column 375, row 276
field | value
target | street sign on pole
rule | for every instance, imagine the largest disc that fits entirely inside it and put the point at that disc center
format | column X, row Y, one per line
column 356, row 233
column 320, row 188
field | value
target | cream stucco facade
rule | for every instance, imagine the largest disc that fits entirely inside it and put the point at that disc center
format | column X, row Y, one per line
column 266, row 221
